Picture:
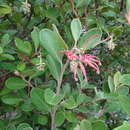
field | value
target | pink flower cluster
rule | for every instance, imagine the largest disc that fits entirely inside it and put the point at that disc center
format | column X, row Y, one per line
column 80, row 61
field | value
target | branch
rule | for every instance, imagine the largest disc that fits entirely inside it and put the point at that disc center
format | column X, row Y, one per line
column 73, row 8
column 61, row 76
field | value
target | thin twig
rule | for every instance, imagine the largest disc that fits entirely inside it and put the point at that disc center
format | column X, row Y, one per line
column 27, row 81
column 73, row 8
column 61, row 76
column 109, row 37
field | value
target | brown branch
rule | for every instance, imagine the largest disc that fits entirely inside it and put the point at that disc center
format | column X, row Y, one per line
column 73, row 8
column 122, row 5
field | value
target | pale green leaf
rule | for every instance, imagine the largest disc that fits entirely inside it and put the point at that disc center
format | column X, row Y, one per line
column 54, row 67
column 85, row 125
column 23, row 46
column 37, row 97
column 52, row 98
column 14, row 83
column 76, row 29
column 90, row 39
column 83, row 3
column 5, row 9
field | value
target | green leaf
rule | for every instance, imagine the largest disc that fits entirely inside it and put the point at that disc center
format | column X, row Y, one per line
column 4, row 91
column 125, row 103
column 14, row 83
column 52, row 98
column 117, row 77
column 123, row 90
column 70, row 103
column 125, row 126
column 5, row 40
column 5, row 9
column 2, row 124
column 24, row 126
column 67, row 89
column 98, row 125
column 21, row 66
column 125, row 79
column 70, row 116
column 112, row 106
column 48, row 39
column 76, row 29
column 86, row 85
column 6, row 57
column 77, row 127
column 42, row 120
column 23, row 46
column 82, row 3
column 81, row 98
column 52, row 13
column 11, row 99
column 35, row 37
column 110, row 84
column 85, row 125
column 127, row 5
column 37, row 97
column 109, row 13
column 90, row 39
column 11, row 126
column 1, row 50
column 54, row 67
column 59, row 38
column 8, row 66
column 59, row 118
column 27, row 106
column 80, row 75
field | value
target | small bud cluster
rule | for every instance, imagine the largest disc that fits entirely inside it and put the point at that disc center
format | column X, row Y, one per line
column 41, row 64
column 111, row 45
column 26, row 7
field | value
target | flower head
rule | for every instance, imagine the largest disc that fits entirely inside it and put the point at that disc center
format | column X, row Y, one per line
column 128, row 17
column 70, row 55
column 78, row 61
column 91, row 61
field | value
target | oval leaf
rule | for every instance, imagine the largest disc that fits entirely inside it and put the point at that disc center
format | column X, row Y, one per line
column 98, row 125
column 49, row 41
column 90, row 39
column 59, row 38
column 37, row 97
column 52, row 98
column 11, row 99
column 54, row 67
column 14, row 83
column 76, row 29
column 24, row 126
column 6, row 57
column 5, row 9
column 83, row 3
column 110, row 84
column 70, row 103
column 125, row 103
column 24, row 46
column 59, row 118
column 125, row 79
column 35, row 37
column 117, row 77
column 85, row 125
column 123, row 127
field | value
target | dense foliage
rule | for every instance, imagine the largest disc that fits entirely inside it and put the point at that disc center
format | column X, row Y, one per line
column 64, row 65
